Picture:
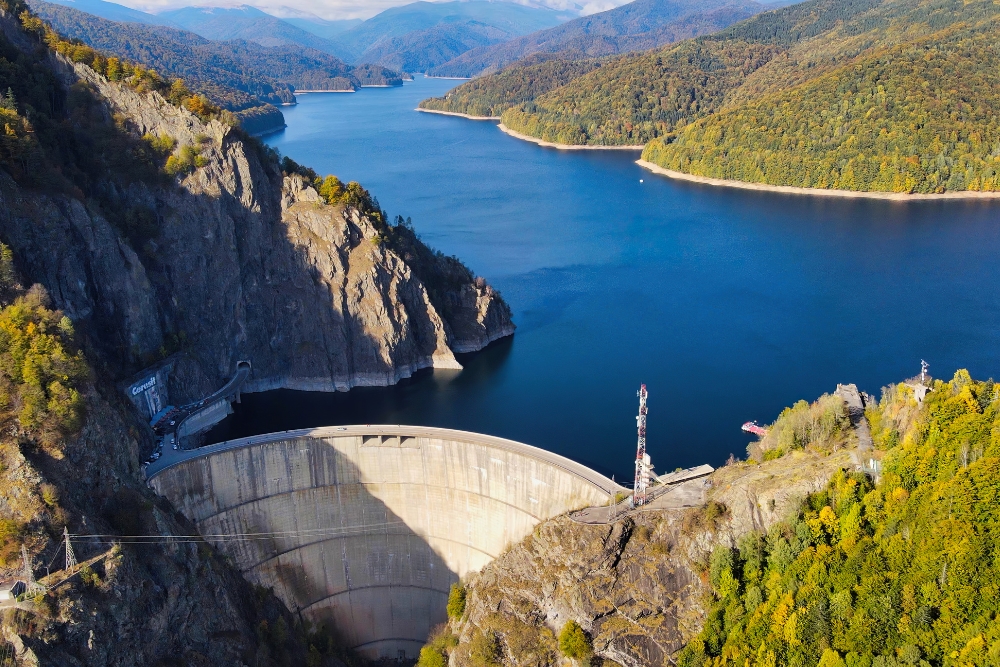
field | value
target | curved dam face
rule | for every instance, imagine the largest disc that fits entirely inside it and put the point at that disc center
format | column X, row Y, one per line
column 367, row 527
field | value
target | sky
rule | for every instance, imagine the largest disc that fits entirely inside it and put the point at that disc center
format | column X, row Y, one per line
column 348, row 9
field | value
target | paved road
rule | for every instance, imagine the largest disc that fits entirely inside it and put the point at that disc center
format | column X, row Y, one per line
column 190, row 410
column 171, row 458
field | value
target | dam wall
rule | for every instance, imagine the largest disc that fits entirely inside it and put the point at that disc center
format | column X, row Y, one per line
column 367, row 527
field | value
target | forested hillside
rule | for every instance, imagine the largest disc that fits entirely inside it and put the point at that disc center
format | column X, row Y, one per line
column 268, row 73
column 921, row 117
column 891, row 95
column 636, row 26
column 421, row 50
column 899, row 573
column 491, row 96
column 240, row 76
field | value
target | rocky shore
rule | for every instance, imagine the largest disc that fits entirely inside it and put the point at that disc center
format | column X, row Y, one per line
column 455, row 113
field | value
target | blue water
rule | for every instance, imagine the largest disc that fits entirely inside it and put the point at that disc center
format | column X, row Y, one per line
column 729, row 304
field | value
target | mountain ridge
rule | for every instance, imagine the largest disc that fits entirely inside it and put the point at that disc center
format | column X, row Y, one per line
column 239, row 74
column 636, row 26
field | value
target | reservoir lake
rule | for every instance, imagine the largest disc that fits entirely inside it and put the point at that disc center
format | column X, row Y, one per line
column 729, row 304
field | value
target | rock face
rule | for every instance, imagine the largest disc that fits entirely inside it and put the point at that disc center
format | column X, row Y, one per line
column 245, row 263
column 144, row 602
column 638, row 586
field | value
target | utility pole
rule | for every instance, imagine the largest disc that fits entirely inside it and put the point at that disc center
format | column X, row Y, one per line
column 70, row 556
column 642, row 464
column 32, row 587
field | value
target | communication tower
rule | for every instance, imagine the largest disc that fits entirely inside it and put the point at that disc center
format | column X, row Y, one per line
column 643, row 468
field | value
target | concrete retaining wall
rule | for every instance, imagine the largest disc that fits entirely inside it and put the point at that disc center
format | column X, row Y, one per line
column 368, row 527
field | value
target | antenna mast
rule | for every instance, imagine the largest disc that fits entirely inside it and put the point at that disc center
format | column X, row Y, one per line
column 642, row 465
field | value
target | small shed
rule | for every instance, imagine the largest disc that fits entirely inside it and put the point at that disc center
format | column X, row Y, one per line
column 11, row 589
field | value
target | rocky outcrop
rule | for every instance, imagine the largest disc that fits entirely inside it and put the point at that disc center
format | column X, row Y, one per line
column 638, row 586
column 242, row 262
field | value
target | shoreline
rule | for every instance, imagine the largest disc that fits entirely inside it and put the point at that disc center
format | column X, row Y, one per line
column 814, row 192
column 455, row 113
column 269, row 131
column 564, row 147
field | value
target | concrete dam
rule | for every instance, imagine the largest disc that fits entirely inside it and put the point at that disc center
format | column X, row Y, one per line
column 367, row 527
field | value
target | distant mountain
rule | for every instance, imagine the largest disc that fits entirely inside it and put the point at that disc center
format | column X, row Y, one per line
column 239, row 75
column 424, row 49
column 249, row 23
column 425, row 34
column 115, row 12
column 321, row 27
column 637, row 26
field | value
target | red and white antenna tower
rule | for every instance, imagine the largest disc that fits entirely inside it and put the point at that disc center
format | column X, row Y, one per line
column 642, row 465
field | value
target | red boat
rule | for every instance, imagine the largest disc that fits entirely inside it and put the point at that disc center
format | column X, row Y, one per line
column 755, row 428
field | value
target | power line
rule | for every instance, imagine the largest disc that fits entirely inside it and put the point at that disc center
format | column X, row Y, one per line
column 243, row 537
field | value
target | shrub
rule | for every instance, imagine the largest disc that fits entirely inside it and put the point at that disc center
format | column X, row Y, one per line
column 456, row 601
column 484, row 649
column 10, row 540
column 50, row 494
column 41, row 372
column 574, row 642
column 89, row 578
column 431, row 657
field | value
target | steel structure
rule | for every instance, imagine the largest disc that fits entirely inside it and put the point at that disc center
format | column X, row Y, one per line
column 70, row 555
column 32, row 587
column 643, row 468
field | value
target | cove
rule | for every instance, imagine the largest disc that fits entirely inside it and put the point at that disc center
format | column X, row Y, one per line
column 729, row 304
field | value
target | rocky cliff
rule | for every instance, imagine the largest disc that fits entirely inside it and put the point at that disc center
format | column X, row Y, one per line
column 639, row 586
column 239, row 261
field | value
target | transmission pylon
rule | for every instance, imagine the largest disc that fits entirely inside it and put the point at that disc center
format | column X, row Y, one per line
column 70, row 556
column 643, row 468
column 31, row 586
